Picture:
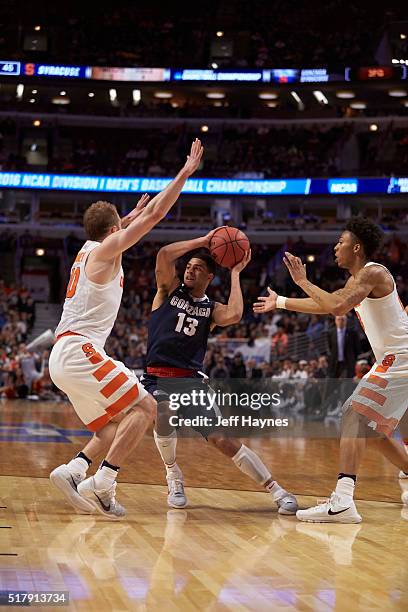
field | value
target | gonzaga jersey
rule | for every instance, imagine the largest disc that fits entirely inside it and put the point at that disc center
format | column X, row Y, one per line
column 90, row 309
column 178, row 331
column 385, row 323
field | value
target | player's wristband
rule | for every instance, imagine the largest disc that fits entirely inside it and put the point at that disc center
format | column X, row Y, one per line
column 281, row 302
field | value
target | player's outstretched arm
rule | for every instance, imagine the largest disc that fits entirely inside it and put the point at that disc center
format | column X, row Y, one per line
column 355, row 291
column 231, row 313
column 273, row 301
column 153, row 212
column 169, row 254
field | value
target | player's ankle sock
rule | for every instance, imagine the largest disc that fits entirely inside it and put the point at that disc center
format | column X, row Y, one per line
column 79, row 464
column 173, row 471
column 106, row 475
column 345, row 486
column 275, row 490
column 166, row 446
column 250, row 464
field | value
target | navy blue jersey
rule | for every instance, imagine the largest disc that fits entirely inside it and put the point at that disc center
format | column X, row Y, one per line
column 178, row 331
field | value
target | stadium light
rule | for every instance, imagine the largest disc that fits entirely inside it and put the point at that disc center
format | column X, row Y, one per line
column 215, row 95
column 204, row 128
column 163, row 95
column 36, row 123
column 63, row 93
column 40, row 252
column 373, row 127
column 397, row 93
column 358, row 105
column 345, row 94
column 220, row 34
column 214, row 65
column 320, row 97
column 310, row 258
column 272, row 104
column 136, row 96
column 268, row 95
column 19, row 91
column 32, row 100
column 34, row 91
column 91, row 94
column 37, row 28
column 403, row 36
column 60, row 100
column 299, row 102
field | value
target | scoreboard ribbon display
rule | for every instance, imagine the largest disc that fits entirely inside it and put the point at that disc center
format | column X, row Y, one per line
column 206, row 186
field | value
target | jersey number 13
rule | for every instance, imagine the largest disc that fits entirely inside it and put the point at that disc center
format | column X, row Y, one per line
column 191, row 324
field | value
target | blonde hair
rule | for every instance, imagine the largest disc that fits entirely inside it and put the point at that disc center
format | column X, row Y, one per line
column 99, row 218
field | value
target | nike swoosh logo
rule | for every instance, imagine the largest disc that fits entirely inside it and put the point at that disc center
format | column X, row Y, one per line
column 339, row 512
column 74, row 484
column 106, row 508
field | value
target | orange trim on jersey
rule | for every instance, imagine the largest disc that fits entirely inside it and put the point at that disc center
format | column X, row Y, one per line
column 104, row 370
column 123, row 402
column 377, row 380
column 165, row 372
column 114, row 384
column 96, row 358
column 68, row 333
column 384, row 425
column 379, row 398
column 80, row 256
column 98, row 423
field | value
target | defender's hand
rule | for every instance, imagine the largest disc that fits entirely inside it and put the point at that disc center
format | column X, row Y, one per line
column 139, row 208
column 194, row 159
column 266, row 303
column 296, row 268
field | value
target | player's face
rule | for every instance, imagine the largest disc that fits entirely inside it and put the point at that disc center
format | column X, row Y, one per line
column 196, row 274
column 345, row 250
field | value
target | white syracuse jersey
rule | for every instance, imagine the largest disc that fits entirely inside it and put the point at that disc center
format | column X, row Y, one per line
column 385, row 323
column 90, row 309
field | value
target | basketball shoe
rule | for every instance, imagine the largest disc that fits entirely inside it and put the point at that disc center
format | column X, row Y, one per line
column 176, row 497
column 334, row 510
column 102, row 500
column 67, row 483
column 287, row 504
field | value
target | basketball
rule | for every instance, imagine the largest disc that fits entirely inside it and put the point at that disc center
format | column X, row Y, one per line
column 228, row 246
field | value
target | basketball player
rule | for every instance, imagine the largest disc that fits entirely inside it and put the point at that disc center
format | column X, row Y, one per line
column 105, row 394
column 181, row 320
column 380, row 400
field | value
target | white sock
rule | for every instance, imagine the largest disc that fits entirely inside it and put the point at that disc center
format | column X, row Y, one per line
column 275, row 490
column 345, row 487
column 78, row 466
column 166, row 446
column 250, row 464
column 104, row 478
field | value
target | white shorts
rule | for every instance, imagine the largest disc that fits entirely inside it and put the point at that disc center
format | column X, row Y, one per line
column 382, row 394
column 97, row 386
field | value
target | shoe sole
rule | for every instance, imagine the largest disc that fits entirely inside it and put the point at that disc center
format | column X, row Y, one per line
column 80, row 505
column 323, row 520
column 96, row 506
column 286, row 512
column 176, row 507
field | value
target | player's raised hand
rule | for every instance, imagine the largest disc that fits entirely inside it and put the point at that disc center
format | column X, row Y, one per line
column 296, row 268
column 138, row 209
column 243, row 263
column 194, row 159
column 266, row 303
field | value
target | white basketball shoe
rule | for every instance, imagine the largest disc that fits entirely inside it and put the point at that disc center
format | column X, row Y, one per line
column 176, row 497
column 334, row 510
column 67, row 483
column 102, row 500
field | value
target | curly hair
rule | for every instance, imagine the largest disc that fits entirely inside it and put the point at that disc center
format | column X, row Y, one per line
column 368, row 233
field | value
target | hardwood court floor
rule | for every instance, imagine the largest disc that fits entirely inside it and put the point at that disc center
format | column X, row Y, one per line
column 229, row 550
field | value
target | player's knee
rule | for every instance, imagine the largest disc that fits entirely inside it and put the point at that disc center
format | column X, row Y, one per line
column 149, row 407
column 354, row 424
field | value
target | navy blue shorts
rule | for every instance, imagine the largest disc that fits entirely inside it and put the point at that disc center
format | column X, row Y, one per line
column 198, row 409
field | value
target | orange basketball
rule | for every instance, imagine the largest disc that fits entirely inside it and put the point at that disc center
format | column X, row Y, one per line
column 228, row 246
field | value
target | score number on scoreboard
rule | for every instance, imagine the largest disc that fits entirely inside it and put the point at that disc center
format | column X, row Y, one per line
column 10, row 68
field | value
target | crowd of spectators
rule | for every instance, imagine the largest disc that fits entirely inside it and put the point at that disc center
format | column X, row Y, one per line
column 252, row 152
column 260, row 34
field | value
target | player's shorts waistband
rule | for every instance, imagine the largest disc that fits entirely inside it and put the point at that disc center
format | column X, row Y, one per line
column 68, row 333
column 166, row 372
